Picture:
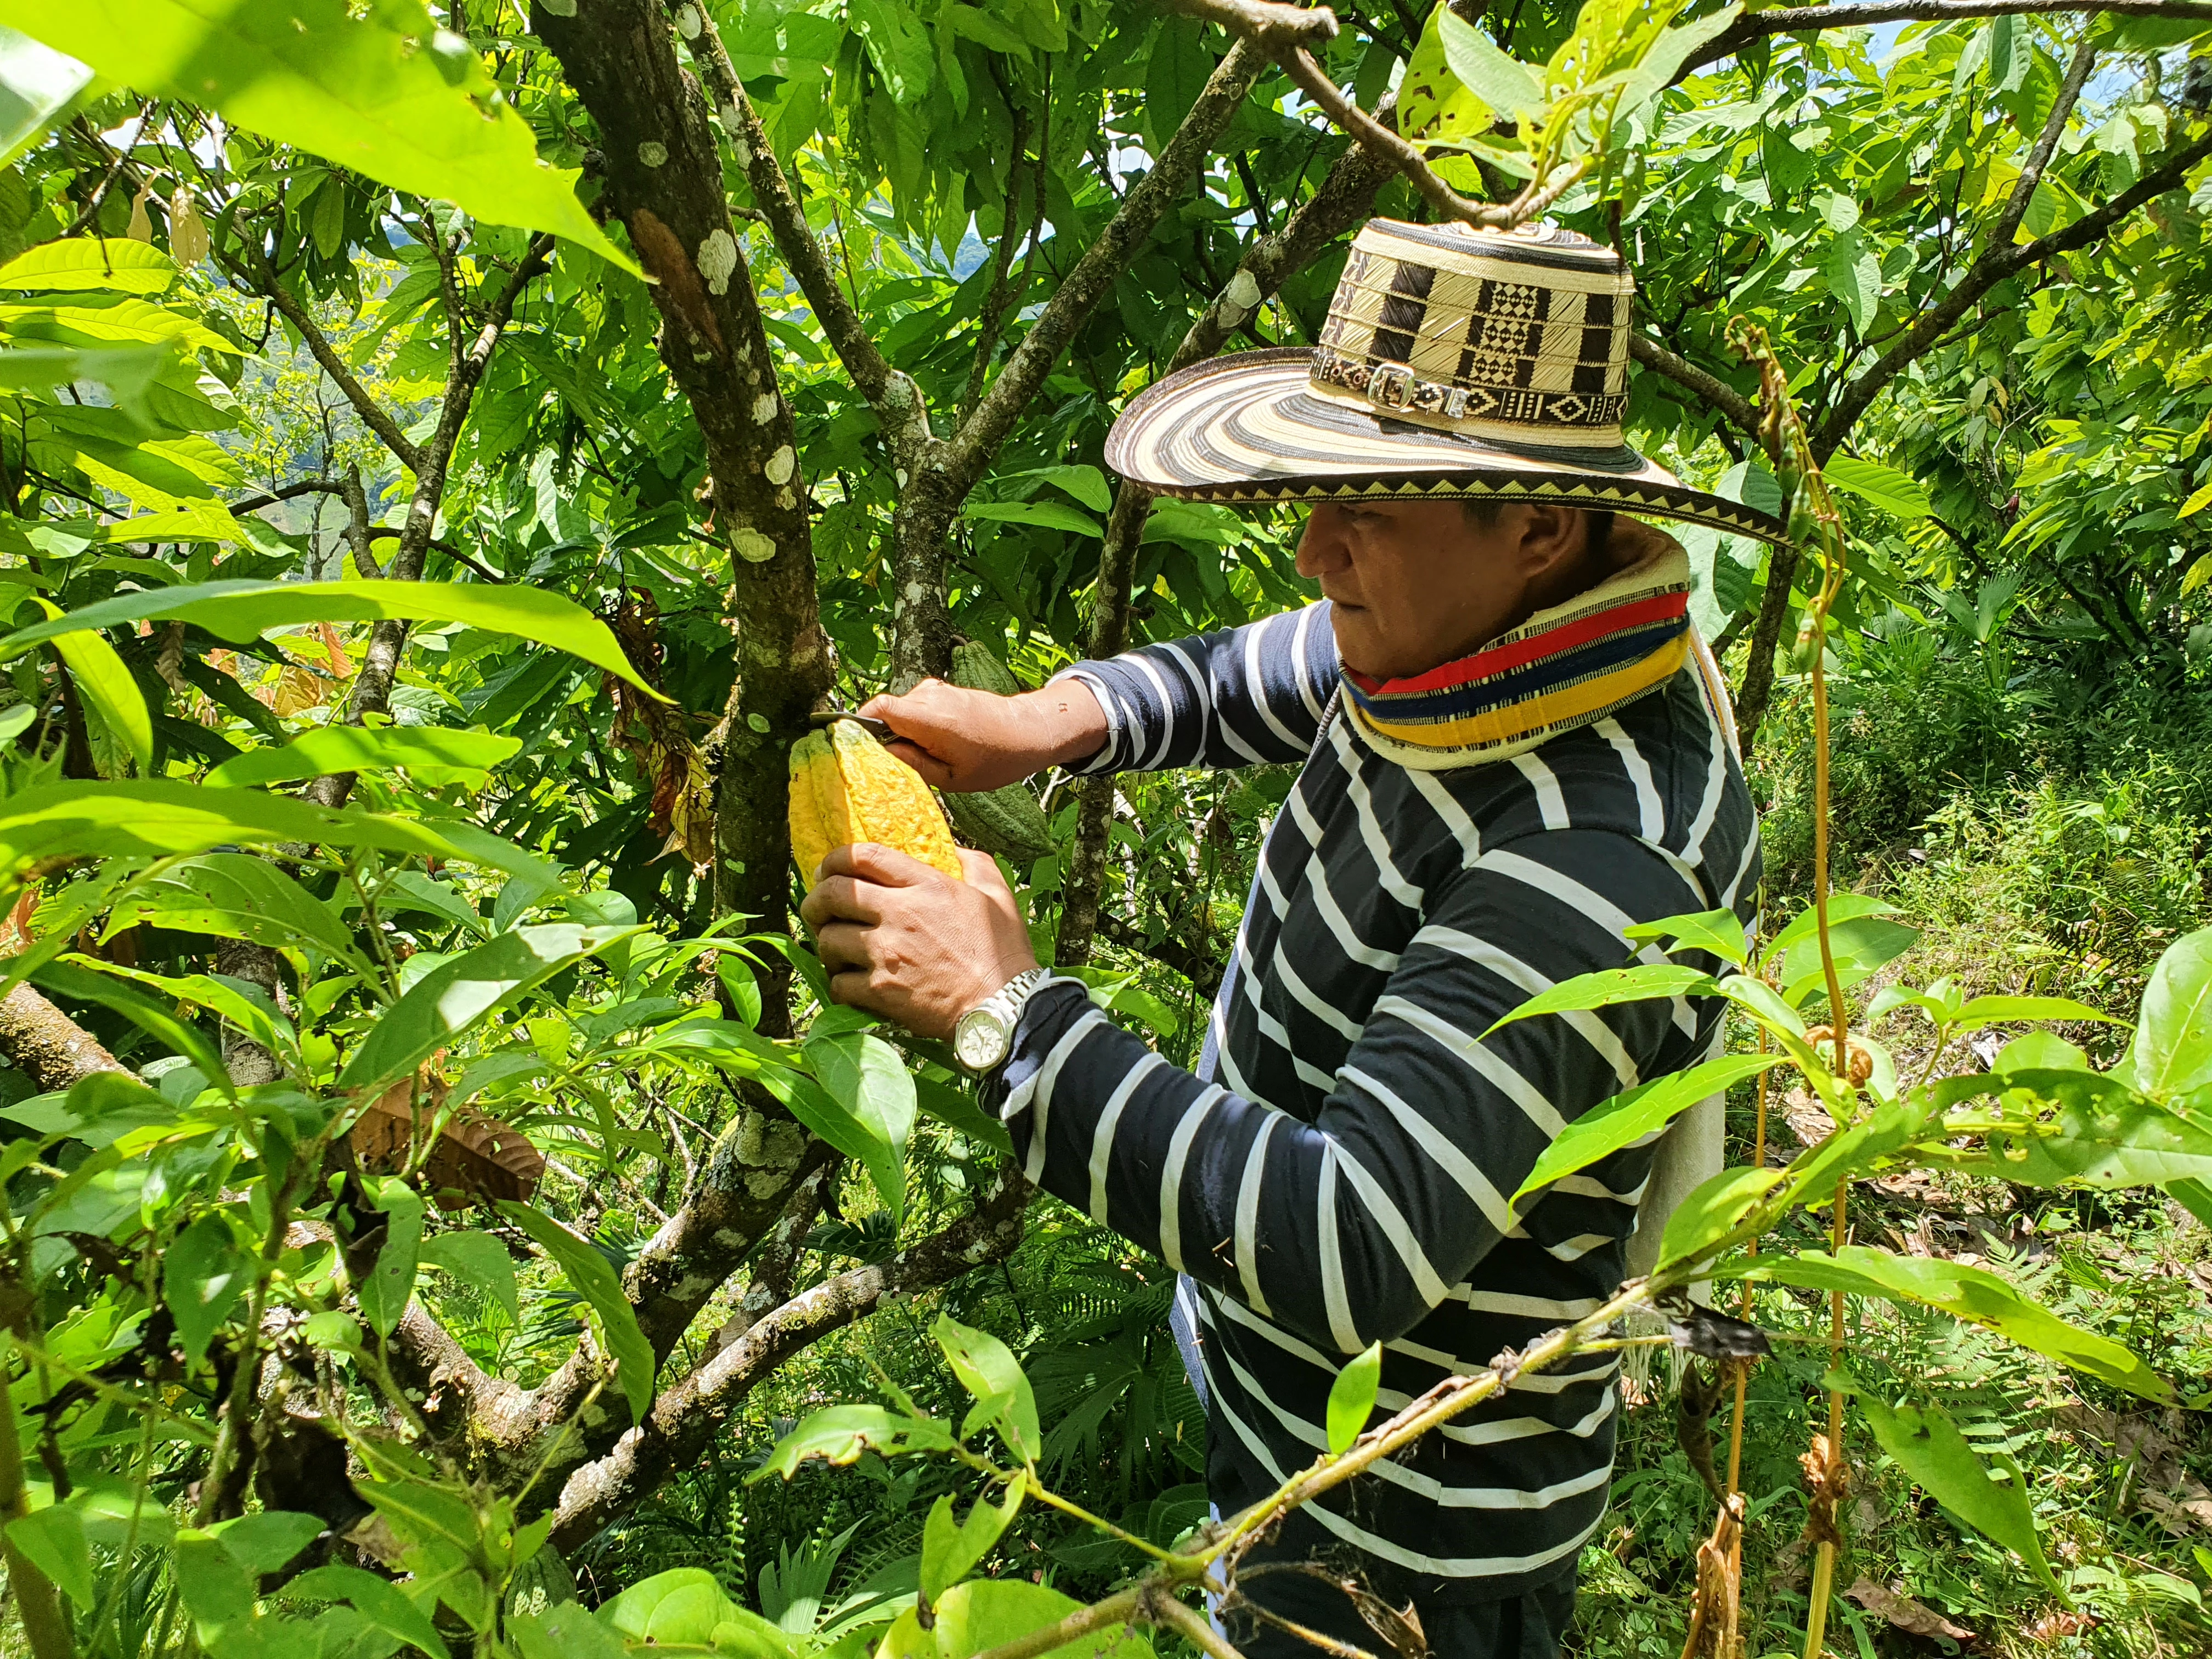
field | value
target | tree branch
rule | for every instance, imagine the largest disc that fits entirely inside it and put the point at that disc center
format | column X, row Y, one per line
column 2003, row 259
column 998, row 299
column 47, row 1045
column 691, row 1415
column 257, row 274
column 1740, row 410
column 897, row 400
column 1805, row 20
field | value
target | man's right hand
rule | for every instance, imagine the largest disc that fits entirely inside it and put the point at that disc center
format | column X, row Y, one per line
column 970, row 741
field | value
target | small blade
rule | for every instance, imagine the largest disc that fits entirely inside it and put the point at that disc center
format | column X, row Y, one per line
column 879, row 730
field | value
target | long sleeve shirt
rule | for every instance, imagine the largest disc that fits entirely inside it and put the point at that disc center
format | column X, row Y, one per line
column 1340, row 1168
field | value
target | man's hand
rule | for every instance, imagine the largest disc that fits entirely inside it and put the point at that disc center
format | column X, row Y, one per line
column 907, row 942
column 969, row 741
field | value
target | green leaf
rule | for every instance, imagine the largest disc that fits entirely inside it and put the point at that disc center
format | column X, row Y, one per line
column 114, row 264
column 1991, row 1011
column 864, row 1075
column 680, row 1606
column 2103, row 1136
column 596, row 1282
column 954, row 1107
column 2173, row 1050
column 2194, row 1196
column 379, row 88
column 107, row 689
column 986, row 1368
column 985, row 1613
column 36, row 86
column 203, row 1274
column 1635, row 1113
column 146, row 819
column 1928, row 1446
column 235, row 896
column 1860, row 945
column 377, row 1600
column 389, row 1287
column 1719, row 933
column 458, row 993
column 949, row 1550
column 65, row 979
column 566, row 1630
column 1047, row 515
column 436, row 754
column 1503, row 82
column 1972, row 1294
column 1853, row 273
column 244, row 1005
column 1712, row 1215
column 1351, row 1399
column 839, row 1434
column 267, row 1540
column 480, row 1259
column 1842, row 907
column 1609, row 986
column 1885, row 487
column 52, row 1539
column 243, row 610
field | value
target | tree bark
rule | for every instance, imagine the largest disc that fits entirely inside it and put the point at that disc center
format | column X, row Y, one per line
column 664, row 182
column 47, row 1045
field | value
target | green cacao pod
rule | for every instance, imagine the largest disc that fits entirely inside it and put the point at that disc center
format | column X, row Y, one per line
column 975, row 668
column 1006, row 821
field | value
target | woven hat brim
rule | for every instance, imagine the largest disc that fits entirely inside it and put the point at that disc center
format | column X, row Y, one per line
column 1247, row 430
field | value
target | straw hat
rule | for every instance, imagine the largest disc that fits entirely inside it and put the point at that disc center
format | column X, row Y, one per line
column 1455, row 363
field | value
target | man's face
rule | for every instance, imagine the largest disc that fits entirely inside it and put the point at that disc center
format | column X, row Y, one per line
column 1417, row 584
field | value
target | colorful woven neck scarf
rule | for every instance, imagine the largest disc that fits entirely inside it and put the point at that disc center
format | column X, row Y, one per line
column 1563, row 668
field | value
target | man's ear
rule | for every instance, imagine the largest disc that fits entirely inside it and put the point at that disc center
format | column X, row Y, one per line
column 1551, row 541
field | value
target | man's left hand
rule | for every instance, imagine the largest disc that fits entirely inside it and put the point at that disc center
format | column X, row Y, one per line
column 907, row 942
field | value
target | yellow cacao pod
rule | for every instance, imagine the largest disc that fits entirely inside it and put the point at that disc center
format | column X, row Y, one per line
column 845, row 788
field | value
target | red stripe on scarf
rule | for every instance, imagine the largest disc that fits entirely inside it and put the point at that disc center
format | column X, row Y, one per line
column 1520, row 653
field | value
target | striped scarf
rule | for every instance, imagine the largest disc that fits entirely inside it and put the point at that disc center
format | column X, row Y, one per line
column 1568, row 666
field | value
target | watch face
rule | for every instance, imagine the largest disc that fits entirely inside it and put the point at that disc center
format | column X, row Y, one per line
column 980, row 1039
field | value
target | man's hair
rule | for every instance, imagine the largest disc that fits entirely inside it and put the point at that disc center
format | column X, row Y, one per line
column 1484, row 511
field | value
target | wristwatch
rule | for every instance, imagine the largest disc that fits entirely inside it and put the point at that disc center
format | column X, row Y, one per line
column 983, row 1037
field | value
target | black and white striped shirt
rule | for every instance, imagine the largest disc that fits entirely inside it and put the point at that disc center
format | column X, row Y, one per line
column 1338, row 1170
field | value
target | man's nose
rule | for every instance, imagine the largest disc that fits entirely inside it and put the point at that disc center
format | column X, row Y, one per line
column 1321, row 547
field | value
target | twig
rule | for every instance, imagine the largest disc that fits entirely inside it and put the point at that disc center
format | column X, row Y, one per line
column 1802, row 20
column 1713, row 389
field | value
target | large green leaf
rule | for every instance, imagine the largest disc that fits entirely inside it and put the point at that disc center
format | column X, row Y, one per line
column 245, row 609
column 389, row 1286
column 1352, row 1398
column 53, row 1540
column 66, row 979
column 988, row 1612
column 107, row 689
column 1973, row 1294
column 864, row 1076
column 839, row 1434
column 950, row 1548
column 595, row 1280
column 455, row 995
column 2172, row 1052
column 2105, row 1135
column 1928, row 1446
column 153, row 818
column 480, row 1259
column 1719, row 931
column 1613, row 984
column 377, row 87
column 1631, row 1116
column 986, row 1368
column 235, row 896
column 203, row 1274
column 377, row 1600
column 36, row 85
column 436, row 754
column 115, row 263
column 1896, row 493
column 1715, row 1213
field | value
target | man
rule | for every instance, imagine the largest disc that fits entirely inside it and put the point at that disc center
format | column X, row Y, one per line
column 1511, row 755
